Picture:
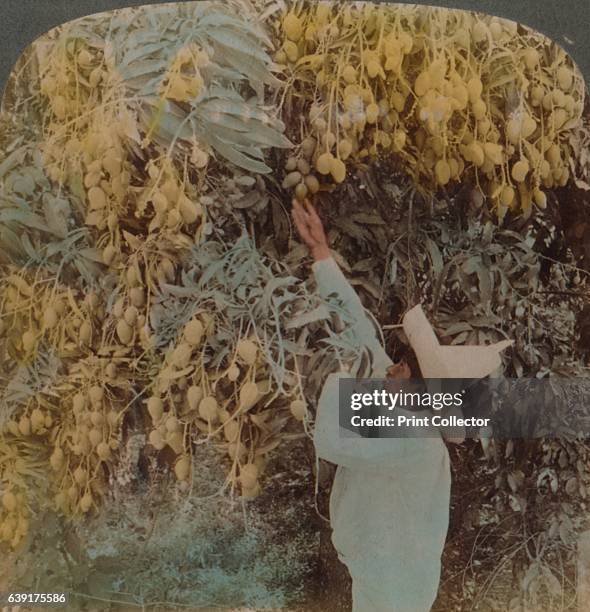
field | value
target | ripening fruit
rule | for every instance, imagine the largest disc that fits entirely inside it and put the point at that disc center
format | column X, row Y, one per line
column 298, row 409
column 156, row 439
column 373, row 68
column 9, row 501
column 103, row 450
column 291, row 179
column 182, row 468
column 344, row 148
column 78, row 403
column 496, row 31
column 493, row 152
column 537, row 94
column 291, row 164
column 85, row 333
column 553, row 155
column 442, row 171
column 513, row 131
column 324, row 163
column 292, row 27
column 137, row 297
column 564, row 178
column 189, row 211
column 84, row 57
column 529, row 125
column 86, row 502
column 29, row 339
column 95, row 436
column 479, row 32
column 248, row 395
column 328, row 139
column 544, row 169
column 80, row 475
column 565, row 78
column 569, row 104
column 155, row 407
column 303, row 166
column 173, row 218
column 312, row 183
column 247, row 351
column 558, row 97
column 24, row 426
column 338, row 170
column 37, row 420
column 194, row 395
column 474, row 89
column 97, row 198
column 130, row 315
column 250, row 493
column 479, row 109
column 540, row 198
column 97, row 417
column 422, row 84
column 231, row 430
column 349, row 74
column 291, row 50
column 520, row 170
column 92, row 179
column 208, row 408
column 507, row 195
column 173, row 424
column 372, row 113
column 249, row 475
column 108, row 255
column 124, row 331
column 59, row 106
column 57, row 459
column 50, row 318
column 181, row 355
column 301, row 191
column 233, row 372
column 476, row 153
column 119, row 307
column 193, row 332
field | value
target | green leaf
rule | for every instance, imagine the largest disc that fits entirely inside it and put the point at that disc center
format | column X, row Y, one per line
column 238, row 158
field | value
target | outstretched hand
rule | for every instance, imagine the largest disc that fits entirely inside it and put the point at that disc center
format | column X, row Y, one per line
column 310, row 228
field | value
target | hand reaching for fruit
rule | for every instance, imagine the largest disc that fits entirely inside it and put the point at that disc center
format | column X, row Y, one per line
column 310, row 228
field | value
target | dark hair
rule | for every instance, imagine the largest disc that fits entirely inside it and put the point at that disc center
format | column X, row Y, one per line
column 406, row 353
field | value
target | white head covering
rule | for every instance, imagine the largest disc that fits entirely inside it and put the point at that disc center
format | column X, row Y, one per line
column 439, row 361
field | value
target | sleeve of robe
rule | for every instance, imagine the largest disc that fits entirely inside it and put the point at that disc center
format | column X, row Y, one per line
column 330, row 279
column 353, row 450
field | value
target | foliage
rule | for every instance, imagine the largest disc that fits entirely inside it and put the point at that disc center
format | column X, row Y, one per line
column 152, row 307
column 451, row 96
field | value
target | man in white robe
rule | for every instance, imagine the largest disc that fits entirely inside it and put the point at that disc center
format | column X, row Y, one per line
column 389, row 506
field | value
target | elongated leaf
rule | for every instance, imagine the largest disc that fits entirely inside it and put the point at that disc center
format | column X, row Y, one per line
column 238, row 158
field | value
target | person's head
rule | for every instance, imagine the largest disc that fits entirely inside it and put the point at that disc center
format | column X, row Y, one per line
column 405, row 364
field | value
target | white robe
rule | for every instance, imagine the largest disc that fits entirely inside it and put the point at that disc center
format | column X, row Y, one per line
column 389, row 507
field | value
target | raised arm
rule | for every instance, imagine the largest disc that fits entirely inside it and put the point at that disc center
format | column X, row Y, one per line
column 331, row 280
